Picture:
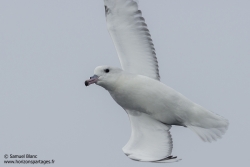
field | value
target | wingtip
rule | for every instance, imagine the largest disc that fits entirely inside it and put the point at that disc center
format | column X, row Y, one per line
column 169, row 159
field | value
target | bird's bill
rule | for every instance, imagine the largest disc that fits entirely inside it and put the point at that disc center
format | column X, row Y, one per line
column 92, row 80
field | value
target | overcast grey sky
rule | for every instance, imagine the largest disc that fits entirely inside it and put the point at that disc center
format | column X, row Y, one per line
column 49, row 47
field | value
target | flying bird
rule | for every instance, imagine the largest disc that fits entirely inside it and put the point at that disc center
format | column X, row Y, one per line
column 152, row 106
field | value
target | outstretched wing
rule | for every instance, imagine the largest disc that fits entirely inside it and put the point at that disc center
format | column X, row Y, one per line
column 150, row 139
column 131, row 38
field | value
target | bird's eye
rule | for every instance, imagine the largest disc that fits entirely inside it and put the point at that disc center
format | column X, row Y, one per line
column 106, row 70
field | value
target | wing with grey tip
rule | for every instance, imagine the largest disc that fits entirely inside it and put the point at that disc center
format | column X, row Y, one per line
column 150, row 139
column 131, row 38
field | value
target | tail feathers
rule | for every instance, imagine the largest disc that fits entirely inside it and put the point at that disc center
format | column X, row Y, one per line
column 212, row 133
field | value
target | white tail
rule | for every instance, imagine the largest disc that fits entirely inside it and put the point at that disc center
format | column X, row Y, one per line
column 209, row 135
column 209, row 127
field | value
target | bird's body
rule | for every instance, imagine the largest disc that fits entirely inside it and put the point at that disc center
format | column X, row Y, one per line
column 152, row 97
column 142, row 94
column 152, row 106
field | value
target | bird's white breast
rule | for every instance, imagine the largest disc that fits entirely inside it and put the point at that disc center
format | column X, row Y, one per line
column 143, row 94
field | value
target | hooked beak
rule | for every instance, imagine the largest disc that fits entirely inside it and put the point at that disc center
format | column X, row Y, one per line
column 92, row 80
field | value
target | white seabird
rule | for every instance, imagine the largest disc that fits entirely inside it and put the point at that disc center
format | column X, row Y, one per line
column 152, row 107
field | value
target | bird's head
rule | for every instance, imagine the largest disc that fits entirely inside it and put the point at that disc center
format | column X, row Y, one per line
column 105, row 76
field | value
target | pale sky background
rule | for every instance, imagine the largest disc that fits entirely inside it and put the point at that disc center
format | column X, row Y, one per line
column 48, row 48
